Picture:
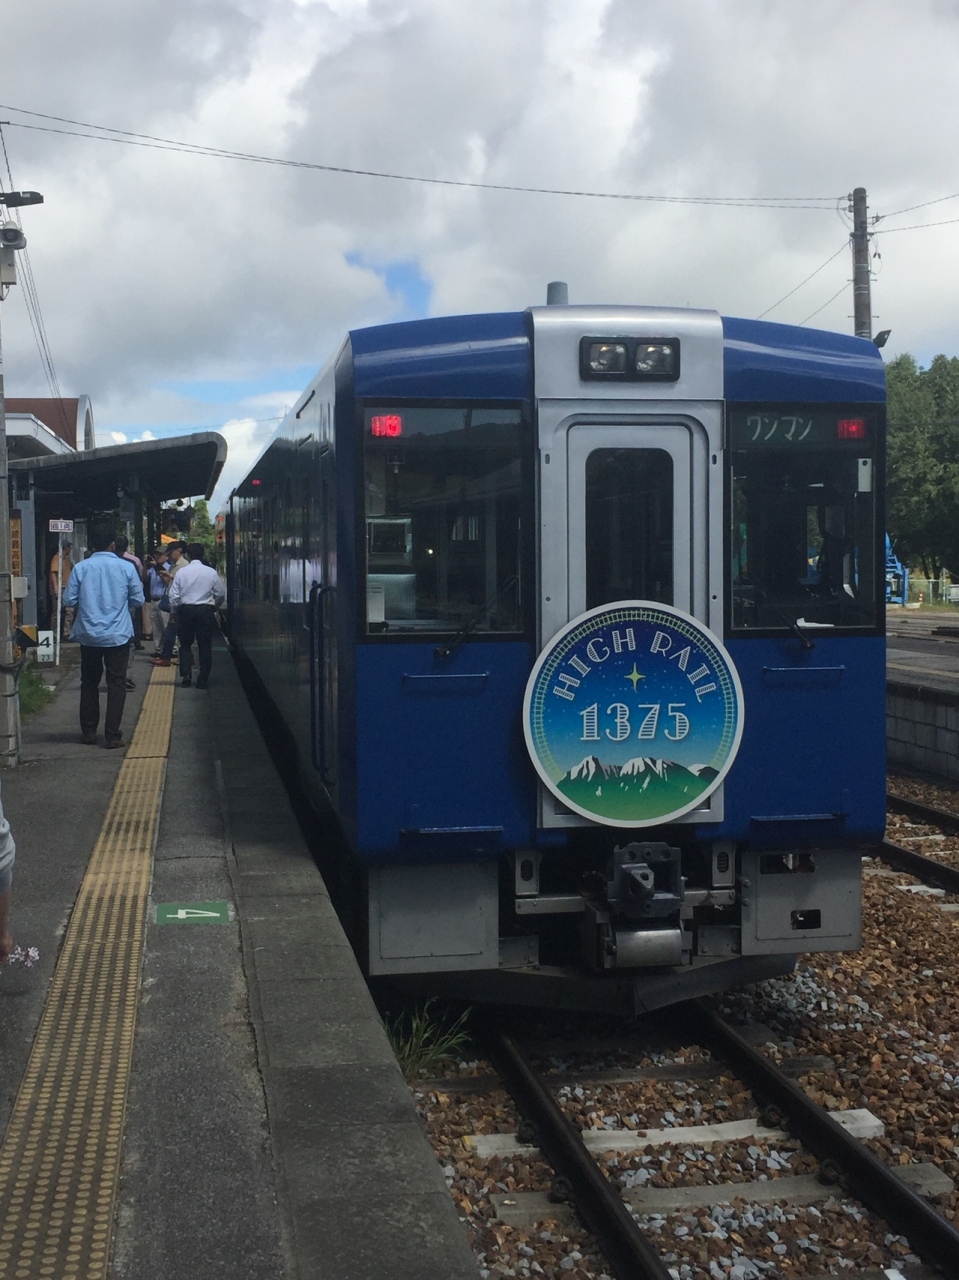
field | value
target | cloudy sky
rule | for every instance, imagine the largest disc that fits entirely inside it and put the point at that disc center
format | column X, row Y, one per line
column 184, row 291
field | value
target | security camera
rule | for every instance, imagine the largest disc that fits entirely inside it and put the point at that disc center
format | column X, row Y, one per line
column 11, row 237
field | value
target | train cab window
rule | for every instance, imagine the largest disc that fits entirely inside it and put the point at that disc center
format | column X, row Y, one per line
column 444, row 496
column 803, row 545
column 629, row 526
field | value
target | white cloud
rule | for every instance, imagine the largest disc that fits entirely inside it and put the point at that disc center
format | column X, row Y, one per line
column 118, row 437
column 171, row 268
column 245, row 439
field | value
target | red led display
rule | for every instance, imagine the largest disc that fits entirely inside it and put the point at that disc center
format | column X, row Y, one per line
column 851, row 428
column 386, row 424
column 256, row 482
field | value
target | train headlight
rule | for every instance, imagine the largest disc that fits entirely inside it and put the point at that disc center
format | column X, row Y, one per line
column 657, row 360
column 607, row 357
column 623, row 359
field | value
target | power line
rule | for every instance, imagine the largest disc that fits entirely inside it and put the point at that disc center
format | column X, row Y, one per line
column 34, row 313
column 826, row 303
column 911, row 207
column 128, row 137
column 840, row 250
column 919, row 226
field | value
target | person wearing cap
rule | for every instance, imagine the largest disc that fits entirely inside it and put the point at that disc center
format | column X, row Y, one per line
column 60, row 564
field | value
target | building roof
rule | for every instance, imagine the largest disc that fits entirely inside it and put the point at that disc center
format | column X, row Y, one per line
column 70, row 419
column 28, row 437
column 179, row 467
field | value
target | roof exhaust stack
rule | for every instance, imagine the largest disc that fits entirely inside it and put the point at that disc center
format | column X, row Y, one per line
column 557, row 293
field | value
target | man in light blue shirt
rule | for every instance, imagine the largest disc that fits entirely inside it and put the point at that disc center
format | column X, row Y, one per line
column 103, row 590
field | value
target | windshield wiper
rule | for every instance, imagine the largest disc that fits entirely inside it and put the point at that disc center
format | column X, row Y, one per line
column 791, row 623
column 444, row 651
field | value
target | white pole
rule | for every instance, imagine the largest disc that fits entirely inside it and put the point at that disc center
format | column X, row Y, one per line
column 56, row 639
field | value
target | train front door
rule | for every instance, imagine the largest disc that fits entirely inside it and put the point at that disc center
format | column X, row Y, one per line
column 631, row 510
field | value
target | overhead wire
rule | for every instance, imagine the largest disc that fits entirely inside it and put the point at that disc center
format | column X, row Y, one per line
column 918, row 226
column 31, row 299
column 840, row 250
column 103, row 133
column 910, row 208
column 825, row 304
column 127, row 137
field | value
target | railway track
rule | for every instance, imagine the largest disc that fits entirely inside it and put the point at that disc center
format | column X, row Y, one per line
column 686, row 1192
column 934, row 872
column 844, row 1161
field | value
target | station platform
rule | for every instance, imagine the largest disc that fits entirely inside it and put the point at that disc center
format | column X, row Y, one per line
column 194, row 1081
column 922, row 648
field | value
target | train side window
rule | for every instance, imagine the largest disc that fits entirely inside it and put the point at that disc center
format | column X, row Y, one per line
column 444, row 492
column 803, row 545
column 629, row 526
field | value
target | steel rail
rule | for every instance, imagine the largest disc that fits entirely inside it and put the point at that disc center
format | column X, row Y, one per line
column 602, row 1208
column 930, row 871
column 917, row 809
column 873, row 1182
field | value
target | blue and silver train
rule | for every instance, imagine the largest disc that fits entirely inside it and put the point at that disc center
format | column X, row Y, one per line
column 576, row 618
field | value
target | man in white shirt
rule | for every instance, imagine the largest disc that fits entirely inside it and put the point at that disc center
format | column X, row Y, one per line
column 196, row 592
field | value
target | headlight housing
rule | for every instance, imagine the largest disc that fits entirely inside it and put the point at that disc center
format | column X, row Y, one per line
column 620, row 359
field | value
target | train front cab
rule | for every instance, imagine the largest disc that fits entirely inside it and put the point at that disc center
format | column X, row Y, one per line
column 745, row 491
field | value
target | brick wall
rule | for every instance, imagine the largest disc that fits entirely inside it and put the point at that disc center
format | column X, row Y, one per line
column 922, row 729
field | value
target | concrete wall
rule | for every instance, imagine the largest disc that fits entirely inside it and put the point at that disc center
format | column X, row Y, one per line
column 922, row 729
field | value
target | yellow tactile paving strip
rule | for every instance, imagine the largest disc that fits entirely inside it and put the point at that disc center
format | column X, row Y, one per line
column 60, row 1159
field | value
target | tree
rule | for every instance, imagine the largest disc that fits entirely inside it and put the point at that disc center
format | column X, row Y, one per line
column 203, row 530
column 923, row 462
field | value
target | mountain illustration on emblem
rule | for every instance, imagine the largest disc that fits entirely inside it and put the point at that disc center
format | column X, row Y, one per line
column 641, row 788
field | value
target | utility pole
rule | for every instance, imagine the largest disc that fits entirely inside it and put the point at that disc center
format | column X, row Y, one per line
column 11, row 239
column 9, row 702
column 861, row 292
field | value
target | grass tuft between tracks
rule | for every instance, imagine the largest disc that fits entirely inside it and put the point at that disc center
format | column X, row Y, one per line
column 423, row 1041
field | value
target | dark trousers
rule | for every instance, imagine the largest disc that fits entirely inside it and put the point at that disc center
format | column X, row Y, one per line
column 169, row 640
column 94, row 660
column 196, row 622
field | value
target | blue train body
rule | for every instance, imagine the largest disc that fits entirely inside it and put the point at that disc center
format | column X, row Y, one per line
column 451, row 495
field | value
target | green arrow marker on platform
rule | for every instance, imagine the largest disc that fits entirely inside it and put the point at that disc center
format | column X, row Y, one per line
column 192, row 913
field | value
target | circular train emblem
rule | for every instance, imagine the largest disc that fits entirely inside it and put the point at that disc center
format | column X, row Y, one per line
column 633, row 714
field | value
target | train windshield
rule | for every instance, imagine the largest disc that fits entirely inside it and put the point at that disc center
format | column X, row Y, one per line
column 444, row 499
column 803, row 539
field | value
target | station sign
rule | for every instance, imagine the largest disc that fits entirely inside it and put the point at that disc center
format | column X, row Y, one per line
column 61, row 526
column 633, row 714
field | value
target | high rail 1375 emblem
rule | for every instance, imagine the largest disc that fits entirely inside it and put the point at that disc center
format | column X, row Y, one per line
column 633, row 714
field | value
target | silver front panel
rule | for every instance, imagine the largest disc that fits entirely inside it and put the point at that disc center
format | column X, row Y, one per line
column 575, row 418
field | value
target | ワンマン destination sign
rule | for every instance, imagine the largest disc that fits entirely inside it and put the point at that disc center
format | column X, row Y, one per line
column 633, row 714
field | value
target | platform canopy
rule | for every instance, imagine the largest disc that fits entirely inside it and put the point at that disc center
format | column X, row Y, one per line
column 153, row 470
